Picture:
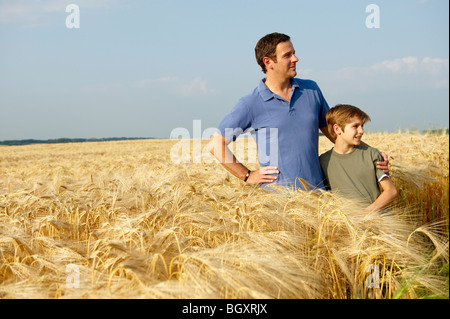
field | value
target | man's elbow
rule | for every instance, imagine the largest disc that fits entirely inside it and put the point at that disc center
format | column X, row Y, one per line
column 216, row 144
column 211, row 146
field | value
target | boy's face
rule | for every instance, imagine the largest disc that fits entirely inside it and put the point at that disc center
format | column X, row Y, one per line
column 352, row 133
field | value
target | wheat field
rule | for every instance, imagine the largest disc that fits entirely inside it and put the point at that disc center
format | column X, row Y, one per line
column 122, row 220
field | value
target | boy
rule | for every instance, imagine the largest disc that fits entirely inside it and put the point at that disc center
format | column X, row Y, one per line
column 349, row 167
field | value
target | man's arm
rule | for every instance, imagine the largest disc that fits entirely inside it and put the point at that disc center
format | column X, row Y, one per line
column 327, row 134
column 384, row 165
column 386, row 197
column 218, row 146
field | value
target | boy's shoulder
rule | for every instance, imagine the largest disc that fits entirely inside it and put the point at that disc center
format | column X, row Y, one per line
column 375, row 153
column 370, row 151
column 327, row 153
column 325, row 156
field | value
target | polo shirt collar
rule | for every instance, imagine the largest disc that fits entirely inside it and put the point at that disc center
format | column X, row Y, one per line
column 267, row 94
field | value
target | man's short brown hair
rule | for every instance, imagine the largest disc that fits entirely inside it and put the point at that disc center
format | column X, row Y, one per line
column 342, row 114
column 267, row 47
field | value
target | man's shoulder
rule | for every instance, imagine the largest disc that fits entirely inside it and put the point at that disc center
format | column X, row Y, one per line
column 305, row 83
column 261, row 93
column 253, row 94
column 250, row 99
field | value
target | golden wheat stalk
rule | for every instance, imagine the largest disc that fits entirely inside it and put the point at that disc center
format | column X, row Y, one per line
column 134, row 224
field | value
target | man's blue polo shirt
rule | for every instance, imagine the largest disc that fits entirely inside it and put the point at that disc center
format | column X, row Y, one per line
column 286, row 133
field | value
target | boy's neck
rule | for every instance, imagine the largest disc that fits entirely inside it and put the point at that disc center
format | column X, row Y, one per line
column 342, row 147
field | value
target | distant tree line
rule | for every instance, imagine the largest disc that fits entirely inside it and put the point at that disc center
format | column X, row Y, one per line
column 441, row 131
column 106, row 139
column 69, row 140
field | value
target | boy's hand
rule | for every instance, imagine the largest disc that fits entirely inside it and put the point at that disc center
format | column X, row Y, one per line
column 263, row 175
column 384, row 165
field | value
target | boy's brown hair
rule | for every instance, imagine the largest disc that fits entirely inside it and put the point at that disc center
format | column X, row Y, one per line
column 341, row 115
column 267, row 47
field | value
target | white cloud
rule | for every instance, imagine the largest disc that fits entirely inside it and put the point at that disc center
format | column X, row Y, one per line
column 435, row 65
column 146, row 83
column 408, row 72
column 408, row 65
column 397, row 65
column 196, row 86
column 402, row 74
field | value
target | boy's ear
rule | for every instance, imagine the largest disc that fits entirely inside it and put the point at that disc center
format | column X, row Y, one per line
column 337, row 129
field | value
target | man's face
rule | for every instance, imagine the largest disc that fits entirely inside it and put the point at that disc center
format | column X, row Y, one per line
column 286, row 60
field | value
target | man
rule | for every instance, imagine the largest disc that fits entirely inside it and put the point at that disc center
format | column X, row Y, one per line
column 283, row 115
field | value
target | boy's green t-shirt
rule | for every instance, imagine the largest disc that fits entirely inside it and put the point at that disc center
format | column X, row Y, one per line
column 353, row 175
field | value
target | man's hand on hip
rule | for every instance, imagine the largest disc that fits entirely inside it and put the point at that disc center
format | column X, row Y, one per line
column 263, row 175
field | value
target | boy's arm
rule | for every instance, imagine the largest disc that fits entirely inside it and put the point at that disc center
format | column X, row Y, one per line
column 386, row 197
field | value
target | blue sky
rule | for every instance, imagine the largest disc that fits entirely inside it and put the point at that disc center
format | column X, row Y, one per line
column 144, row 68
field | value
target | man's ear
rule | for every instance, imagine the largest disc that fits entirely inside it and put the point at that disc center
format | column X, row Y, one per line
column 268, row 62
